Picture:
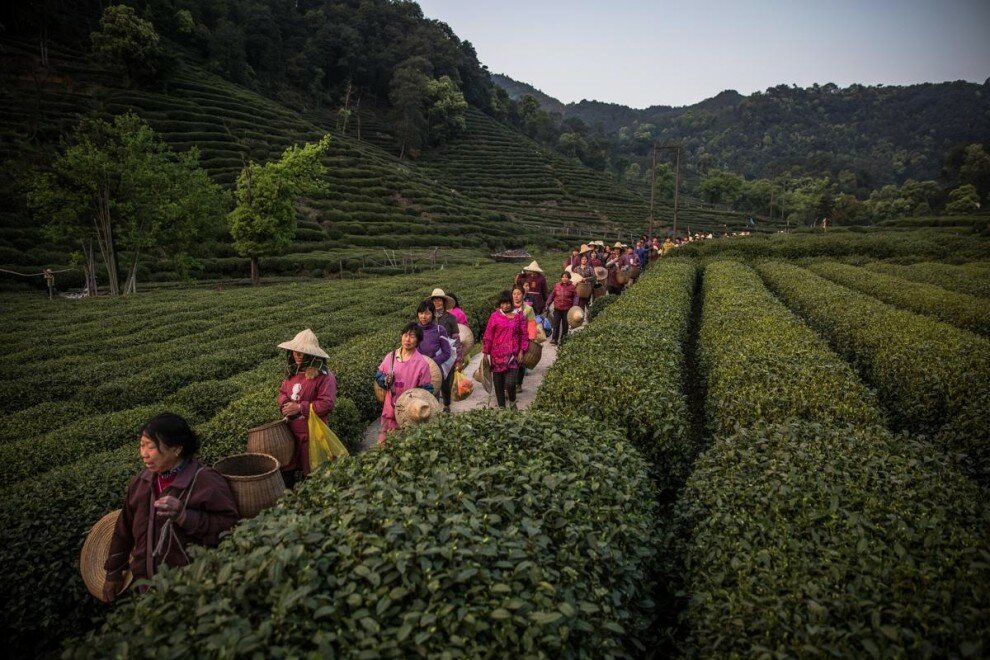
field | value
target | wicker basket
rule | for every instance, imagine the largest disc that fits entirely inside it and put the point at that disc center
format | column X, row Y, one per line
column 254, row 479
column 634, row 273
column 600, row 292
column 436, row 376
column 467, row 338
column 584, row 289
column 95, row 550
column 274, row 439
column 415, row 406
column 532, row 356
column 621, row 277
column 575, row 316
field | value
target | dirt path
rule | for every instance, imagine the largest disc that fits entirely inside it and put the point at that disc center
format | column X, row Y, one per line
column 480, row 398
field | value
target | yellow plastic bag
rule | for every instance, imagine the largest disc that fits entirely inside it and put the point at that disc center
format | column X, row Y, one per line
column 324, row 445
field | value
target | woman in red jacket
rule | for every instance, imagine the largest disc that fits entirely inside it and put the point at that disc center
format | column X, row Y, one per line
column 308, row 383
column 174, row 502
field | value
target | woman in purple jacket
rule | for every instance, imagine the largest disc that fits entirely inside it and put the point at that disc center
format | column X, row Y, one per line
column 434, row 345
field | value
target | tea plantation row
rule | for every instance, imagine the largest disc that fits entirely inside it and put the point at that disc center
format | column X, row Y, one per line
column 83, row 470
column 807, row 528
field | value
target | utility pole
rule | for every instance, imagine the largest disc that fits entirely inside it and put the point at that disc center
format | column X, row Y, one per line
column 677, row 187
column 653, row 188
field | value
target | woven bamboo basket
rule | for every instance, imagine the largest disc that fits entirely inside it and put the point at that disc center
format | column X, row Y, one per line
column 274, row 439
column 575, row 316
column 254, row 479
column 621, row 277
column 584, row 289
column 95, row 550
column 600, row 292
column 415, row 406
column 436, row 376
column 467, row 338
column 634, row 273
column 532, row 356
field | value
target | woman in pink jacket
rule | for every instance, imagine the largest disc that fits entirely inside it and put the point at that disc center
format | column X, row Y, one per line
column 503, row 344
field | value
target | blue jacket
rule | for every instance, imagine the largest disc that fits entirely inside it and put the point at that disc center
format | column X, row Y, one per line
column 643, row 254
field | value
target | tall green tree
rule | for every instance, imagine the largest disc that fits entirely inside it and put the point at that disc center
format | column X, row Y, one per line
column 264, row 221
column 119, row 184
column 964, row 199
column 409, row 93
column 447, row 110
column 127, row 40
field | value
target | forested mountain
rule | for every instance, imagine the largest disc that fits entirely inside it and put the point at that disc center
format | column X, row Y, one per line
column 863, row 137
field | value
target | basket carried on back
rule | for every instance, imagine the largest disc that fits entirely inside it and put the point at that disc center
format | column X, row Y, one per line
column 254, row 479
column 621, row 277
column 584, row 289
column 95, row 550
column 274, row 439
column 532, row 356
column 436, row 376
column 467, row 338
column 634, row 273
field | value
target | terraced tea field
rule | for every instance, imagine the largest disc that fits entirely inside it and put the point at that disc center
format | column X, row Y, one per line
column 737, row 456
column 489, row 188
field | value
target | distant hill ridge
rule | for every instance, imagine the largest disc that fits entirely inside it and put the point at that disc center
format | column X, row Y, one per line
column 875, row 134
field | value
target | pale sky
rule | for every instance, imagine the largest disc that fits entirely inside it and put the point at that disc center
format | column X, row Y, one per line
column 658, row 52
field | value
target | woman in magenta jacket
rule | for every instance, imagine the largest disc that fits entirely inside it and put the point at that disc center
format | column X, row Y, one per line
column 503, row 344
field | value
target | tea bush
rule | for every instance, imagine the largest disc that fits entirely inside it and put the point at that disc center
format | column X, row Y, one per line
column 486, row 534
column 626, row 369
column 811, row 540
column 925, row 372
column 959, row 309
column 762, row 363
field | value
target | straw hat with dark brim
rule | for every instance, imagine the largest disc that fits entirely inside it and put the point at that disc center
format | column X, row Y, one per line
column 448, row 302
column 305, row 342
column 415, row 406
column 534, row 267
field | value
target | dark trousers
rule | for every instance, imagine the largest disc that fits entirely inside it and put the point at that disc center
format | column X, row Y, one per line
column 504, row 383
column 522, row 374
column 445, row 388
column 560, row 326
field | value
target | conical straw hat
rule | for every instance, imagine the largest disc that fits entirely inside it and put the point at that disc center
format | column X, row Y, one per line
column 305, row 342
column 575, row 316
column 415, row 406
column 601, row 273
column 584, row 248
column 535, row 267
column 448, row 302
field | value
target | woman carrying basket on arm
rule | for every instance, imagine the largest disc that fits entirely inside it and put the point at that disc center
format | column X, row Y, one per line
column 174, row 502
column 503, row 344
column 400, row 370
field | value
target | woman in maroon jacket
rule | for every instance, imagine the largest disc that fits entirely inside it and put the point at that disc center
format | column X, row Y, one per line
column 562, row 298
column 173, row 502
column 307, row 382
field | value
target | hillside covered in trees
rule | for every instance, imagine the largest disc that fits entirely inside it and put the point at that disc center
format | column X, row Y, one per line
column 420, row 156
column 860, row 137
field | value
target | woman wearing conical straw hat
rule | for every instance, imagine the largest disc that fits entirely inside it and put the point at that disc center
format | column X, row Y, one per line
column 307, row 382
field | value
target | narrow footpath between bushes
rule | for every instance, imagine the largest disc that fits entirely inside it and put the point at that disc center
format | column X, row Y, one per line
column 479, row 397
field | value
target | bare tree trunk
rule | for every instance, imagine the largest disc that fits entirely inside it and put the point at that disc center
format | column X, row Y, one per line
column 357, row 111
column 104, row 232
column 89, row 268
column 130, row 286
column 255, row 277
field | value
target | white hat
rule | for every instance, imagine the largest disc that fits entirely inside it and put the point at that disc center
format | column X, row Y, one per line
column 305, row 342
column 535, row 267
column 438, row 293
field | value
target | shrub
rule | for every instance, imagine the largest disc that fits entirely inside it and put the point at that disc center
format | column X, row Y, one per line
column 843, row 541
column 535, row 541
column 626, row 369
column 925, row 372
column 959, row 309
